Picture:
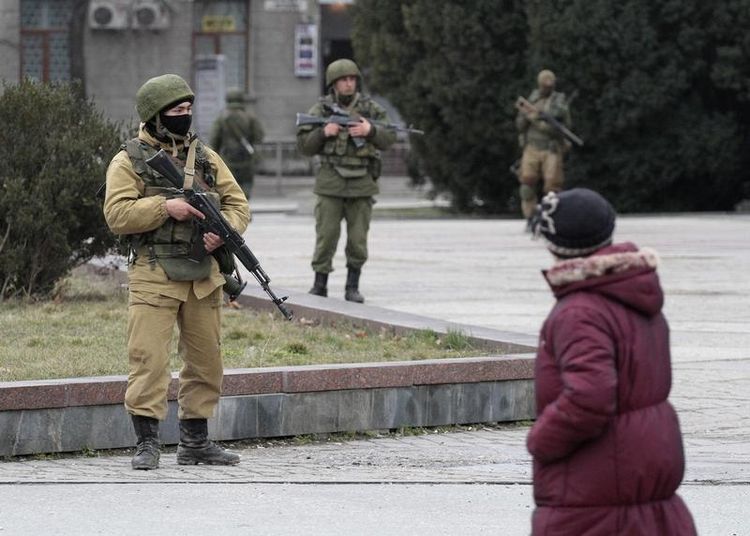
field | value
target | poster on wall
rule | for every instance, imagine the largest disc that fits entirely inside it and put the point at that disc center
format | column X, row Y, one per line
column 305, row 50
column 210, row 90
column 285, row 5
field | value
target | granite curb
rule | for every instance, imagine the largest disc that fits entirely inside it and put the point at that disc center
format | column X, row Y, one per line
column 76, row 392
column 80, row 413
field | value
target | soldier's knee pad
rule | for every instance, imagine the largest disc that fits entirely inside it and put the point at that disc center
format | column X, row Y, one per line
column 526, row 192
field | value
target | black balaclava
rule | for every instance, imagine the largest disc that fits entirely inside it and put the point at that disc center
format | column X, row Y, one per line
column 166, row 128
column 176, row 124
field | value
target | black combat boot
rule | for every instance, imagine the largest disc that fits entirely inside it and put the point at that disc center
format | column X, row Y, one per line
column 195, row 448
column 320, row 287
column 352, row 286
column 147, row 448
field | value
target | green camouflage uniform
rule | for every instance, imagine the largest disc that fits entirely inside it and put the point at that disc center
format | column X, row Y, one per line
column 236, row 122
column 346, row 181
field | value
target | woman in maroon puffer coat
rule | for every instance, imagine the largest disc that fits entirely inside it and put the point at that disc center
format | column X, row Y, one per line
column 607, row 446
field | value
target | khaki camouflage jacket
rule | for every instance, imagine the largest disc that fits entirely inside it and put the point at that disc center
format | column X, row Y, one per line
column 129, row 212
column 538, row 132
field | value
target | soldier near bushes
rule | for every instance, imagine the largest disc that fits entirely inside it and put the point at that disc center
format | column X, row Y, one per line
column 166, row 287
column 346, row 182
column 234, row 135
column 543, row 145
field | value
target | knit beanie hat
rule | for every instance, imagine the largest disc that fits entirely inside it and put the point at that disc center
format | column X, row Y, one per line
column 574, row 223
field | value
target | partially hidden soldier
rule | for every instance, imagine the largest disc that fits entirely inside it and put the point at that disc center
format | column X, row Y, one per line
column 165, row 286
column 543, row 145
column 346, row 182
column 234, row 135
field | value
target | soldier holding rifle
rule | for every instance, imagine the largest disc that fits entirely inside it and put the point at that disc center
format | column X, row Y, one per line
column 165, row 286
column 543, row 122
column 349, row 168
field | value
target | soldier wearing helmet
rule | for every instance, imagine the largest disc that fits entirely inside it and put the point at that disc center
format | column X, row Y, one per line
column 543, row 146
column 165, row 286
column 346, row 182
column 234, row 135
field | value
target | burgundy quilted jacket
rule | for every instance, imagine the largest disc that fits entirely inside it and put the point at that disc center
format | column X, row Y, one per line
column 607, row 446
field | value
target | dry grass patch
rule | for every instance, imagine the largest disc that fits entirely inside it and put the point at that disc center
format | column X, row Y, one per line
column 82, row 332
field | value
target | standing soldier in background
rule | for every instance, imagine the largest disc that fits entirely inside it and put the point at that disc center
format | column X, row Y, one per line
column 349, row 168
column 543, row 145
column 234, row 134
column 165, row 286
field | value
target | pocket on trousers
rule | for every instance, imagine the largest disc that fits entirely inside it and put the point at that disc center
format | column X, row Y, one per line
column 140, row 297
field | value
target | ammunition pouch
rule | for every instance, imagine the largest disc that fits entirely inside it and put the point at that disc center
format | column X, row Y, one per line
column 349, row 167
column 174, row 260
column 375, row 167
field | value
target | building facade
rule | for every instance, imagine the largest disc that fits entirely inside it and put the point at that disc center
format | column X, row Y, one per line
column 275, row 50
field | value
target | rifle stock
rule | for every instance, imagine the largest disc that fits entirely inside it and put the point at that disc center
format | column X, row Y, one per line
column 215, row 222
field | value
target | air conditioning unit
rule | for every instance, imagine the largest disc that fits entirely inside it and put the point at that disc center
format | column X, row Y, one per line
column 149, row 15
column 109, row 14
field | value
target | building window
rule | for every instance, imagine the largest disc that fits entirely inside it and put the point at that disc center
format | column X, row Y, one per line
column 45, row 43
column 221, row 27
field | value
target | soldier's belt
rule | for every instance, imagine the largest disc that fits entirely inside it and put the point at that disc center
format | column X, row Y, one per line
column 544, row 145
column 164, row 250
column 348, row 161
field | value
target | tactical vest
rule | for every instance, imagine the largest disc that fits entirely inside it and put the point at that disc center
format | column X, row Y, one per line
column 539, row 134
column 349, row 160
column 170, row 245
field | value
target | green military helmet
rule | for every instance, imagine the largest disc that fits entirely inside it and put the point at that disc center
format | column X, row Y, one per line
column 236, row 95
column 339, row 69
column 159, row 92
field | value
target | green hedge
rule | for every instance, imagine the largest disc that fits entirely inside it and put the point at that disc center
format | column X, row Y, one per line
column 663, row 93
column 54, row 148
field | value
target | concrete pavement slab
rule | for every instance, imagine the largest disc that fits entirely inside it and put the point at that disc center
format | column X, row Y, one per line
column 482, row 272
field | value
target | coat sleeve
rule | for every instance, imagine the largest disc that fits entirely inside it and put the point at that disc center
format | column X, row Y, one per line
column 310, row 138
column 585, row 353
column 125, row 209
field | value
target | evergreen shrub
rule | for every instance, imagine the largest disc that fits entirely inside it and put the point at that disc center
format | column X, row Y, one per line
column 54, row 148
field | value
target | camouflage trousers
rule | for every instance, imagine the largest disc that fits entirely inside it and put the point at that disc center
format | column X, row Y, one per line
column 329, row 211
column 539, row 164
column 151, row 321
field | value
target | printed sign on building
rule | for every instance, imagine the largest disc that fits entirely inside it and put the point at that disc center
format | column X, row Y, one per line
column 218, row 23
column 285, row 5
column 305, row 50
column 210, row 90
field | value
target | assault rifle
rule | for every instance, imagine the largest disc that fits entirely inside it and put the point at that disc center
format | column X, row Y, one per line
column 345, row 119
column 215, row 223
column 528, row 109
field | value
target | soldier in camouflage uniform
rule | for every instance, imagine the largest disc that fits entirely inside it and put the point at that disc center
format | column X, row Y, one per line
column 543, row 146
column 164, row 286
column 347, row 179
column 234, row 135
